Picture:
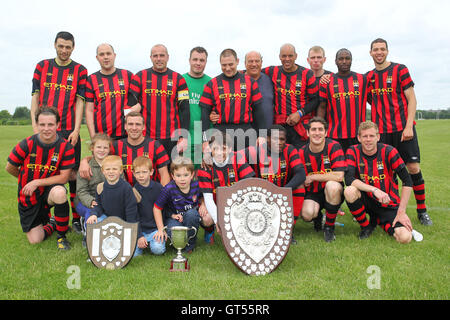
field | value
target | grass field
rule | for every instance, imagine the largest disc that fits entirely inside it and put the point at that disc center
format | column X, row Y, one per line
column 312, row 269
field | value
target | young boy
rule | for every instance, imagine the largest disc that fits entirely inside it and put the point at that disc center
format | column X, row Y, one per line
column 115, row 196
column 181, row 198
column 150, row 232
column 227, row 168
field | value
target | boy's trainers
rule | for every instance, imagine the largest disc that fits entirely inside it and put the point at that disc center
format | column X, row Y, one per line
column 63, row 244
column 209, row 237
column 417, row 236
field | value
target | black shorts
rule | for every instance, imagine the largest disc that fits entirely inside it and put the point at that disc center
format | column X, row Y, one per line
column 382, row 215
column 319, row 197
column 33, row 216
column 347, row 143
column 409, row 150
column 65, row 134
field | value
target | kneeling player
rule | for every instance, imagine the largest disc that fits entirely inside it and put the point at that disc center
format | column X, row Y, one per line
column 279, row 163
column 325, row 167
column 372, row 185
column 42, row 163
column 225, row 170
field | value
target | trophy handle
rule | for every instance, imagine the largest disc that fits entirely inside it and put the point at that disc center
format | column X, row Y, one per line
column 164, row 229
column 195, row 233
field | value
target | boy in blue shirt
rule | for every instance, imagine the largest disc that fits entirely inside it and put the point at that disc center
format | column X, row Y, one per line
column 181, row 198
column 150, row 233
column 115, row 196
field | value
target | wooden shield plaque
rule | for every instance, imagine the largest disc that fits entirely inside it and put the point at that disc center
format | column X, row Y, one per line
column 256, row 222
column 111, row 243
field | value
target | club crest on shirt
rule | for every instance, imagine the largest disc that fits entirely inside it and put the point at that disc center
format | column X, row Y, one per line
column 169, row 83
column 389, row 79
column 380, row 165
column 298, row 84
column 243, row 86
column 121, row 82
column 326, row 160
column 69, row 77
column 355, row 84
column 55, row 157
column 231, row 174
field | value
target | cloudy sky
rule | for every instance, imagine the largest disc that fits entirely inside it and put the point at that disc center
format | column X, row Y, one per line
column 418, row 33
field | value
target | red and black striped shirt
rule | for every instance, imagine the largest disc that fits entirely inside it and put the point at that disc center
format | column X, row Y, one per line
column 376, row 170
column 278, row 169
column 211, row 178
column 389, row 104
column 331, row 158
column 149, row 148
column 293, row 91
column 346, row 99
column 58, row 86
column 233, row 99
column 37, row 160
column 109, row 93
column 161, row 96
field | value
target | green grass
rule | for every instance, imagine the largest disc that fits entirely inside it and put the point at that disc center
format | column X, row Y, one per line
column 312, row 269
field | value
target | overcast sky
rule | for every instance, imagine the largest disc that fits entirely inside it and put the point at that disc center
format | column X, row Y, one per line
column 418, row 33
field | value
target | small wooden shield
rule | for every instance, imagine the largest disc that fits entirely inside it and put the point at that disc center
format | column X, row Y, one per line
column 256, row 222
column 111, row 243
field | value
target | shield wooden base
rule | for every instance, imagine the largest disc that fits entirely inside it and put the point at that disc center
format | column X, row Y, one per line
column 179, row 266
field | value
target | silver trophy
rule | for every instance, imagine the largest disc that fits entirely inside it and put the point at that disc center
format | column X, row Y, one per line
column 179, row 240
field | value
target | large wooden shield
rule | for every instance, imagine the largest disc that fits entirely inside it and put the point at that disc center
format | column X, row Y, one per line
column 111, row 243
column 256, row 222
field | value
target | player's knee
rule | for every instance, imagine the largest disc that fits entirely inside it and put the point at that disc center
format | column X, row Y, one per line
column 402, row 235
column 351, row 194
column 333, row 190
column 34, row 237
column 58, row 195
column 307, row 214
column 413, row 167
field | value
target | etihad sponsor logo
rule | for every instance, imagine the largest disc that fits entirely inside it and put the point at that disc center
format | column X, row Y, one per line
column 382, row 91
column 232, row 96
column 272, row 176
column 41, row 167
column 58, row 86
column 157, row 92
column 112, row 94
column 289, row 92
column 325, row 171
column 346, row 95
column 371, row 179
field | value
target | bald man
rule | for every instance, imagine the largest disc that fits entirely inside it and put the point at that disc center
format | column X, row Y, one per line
column 296, row 98
column 253, row 66
column 108, row 96
column 164, row 97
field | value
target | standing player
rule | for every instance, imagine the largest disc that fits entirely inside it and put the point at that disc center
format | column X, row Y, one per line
column 343, row 100
column 393, row 109
column 325, row 168
column 316, row 59
column 235, row 98
column 43, row 163
column 253, row 68
column 164, row 97
column 61, row 82
column 196, row 80
column 108, row 98
column 372, row 186
column 296, row 97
